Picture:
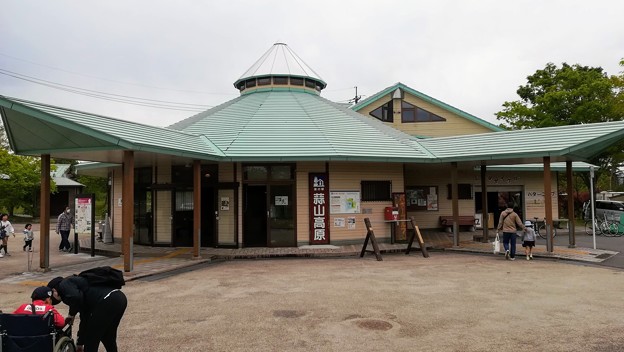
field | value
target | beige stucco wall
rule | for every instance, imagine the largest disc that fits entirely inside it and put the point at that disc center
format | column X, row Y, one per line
column 530, row 184
column 454, row 125
column 346, row 176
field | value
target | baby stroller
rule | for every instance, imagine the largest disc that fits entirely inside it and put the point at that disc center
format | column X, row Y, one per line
column 33, row 333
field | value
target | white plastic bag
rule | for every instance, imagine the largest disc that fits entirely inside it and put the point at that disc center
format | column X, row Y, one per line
column 496, row 244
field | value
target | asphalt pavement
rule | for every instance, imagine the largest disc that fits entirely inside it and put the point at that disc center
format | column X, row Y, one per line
column 602, row 242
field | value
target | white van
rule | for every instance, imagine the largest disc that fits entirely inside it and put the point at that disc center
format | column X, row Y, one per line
column 612, row 209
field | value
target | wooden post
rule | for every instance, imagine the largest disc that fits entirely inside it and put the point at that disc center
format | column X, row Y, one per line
column 127, row 210
column 196, row 209
column 455, row 204
column 485, row 219
column 370, row 235
column 44, row 214
column 571, row 222
column 548, row 205
column 417, row 235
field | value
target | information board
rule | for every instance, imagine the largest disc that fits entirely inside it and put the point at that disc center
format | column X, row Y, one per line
column 84, row 208
column 347, row 202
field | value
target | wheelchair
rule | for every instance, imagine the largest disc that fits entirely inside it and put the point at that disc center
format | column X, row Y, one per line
column 33, row 333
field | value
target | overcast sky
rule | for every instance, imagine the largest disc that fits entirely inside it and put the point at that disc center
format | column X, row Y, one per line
column 469, row 54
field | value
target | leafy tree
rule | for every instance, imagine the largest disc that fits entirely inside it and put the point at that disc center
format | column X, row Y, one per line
column 20, row 179
column 98, row 186
column 570, row 95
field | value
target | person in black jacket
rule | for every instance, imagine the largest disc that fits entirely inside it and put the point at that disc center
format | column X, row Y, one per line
column 101, row 309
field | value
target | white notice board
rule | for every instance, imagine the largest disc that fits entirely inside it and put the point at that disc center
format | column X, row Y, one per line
column 346, row 202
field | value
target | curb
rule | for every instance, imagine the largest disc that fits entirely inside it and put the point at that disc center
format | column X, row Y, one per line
column 168, row 269
column 541, row 255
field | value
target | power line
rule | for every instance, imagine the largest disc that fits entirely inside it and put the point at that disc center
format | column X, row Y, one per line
column 111, row 80
column 161, row 104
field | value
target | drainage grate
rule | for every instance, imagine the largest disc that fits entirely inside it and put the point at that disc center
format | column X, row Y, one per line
column 604, row 256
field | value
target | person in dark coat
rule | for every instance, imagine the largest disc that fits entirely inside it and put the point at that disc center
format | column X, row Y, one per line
column 101, row 309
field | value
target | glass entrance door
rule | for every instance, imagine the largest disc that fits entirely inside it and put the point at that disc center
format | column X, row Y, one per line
column 281, row 216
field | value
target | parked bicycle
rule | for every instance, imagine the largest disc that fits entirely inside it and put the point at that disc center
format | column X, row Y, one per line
column 540, row 228
column 604, row 227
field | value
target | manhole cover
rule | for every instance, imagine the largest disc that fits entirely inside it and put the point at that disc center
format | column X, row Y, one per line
column 288, row 313
column 603, row 256
column 372, row 324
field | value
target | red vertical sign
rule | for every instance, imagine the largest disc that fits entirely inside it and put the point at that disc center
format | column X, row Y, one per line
column 319, row 208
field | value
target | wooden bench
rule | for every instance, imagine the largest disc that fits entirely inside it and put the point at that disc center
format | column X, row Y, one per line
column 447, row 222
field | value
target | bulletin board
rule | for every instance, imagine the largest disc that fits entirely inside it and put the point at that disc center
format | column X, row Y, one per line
column 422, row 198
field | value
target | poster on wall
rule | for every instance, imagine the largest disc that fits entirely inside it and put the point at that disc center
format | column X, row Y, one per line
column 339, row 222
column 346, row 202
column 351, row 223
column 225, row 203
column 318, row 185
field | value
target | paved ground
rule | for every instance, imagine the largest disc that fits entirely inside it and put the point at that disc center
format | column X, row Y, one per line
column 448, row 302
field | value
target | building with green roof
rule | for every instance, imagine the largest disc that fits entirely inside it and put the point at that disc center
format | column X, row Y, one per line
column 282, row 166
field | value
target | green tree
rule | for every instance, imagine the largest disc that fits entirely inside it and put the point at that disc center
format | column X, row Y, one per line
column 20, row 179
column 569, row 95
column 98, row 186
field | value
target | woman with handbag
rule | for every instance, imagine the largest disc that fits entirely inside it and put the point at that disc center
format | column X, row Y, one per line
column 508, row 222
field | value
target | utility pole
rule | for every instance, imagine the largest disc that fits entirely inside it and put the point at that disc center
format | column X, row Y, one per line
column 356, row 98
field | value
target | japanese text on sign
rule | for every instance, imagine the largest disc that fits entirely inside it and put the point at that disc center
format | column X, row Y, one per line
column 319, row 214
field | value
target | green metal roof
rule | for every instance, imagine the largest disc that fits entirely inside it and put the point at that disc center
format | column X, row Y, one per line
column 292, row 124
column 35, row 128
column 574, row 142
column 577, row 166
column 428, row 99
column 289, row 125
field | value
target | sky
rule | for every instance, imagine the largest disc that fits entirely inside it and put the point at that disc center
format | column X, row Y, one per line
column 472, row 55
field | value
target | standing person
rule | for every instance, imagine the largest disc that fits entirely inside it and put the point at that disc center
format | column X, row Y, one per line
column 28, row 237
column 528, row 240
column 508, row 222
column 6, row 229
column 101, row 309
column 41, row 304
column 63, row 226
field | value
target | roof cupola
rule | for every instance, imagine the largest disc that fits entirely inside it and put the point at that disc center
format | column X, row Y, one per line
column 279, row 67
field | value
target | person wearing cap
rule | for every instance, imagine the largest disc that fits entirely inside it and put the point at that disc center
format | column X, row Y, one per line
column 101, row 309
column 528, row 240
column 41, row 304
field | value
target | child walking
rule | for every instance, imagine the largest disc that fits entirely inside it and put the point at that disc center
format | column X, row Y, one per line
column 528, row 240
column 28, row 237
column 6, row 229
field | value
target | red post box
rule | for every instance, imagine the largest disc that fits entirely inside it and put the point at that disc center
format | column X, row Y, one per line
column 391, row 213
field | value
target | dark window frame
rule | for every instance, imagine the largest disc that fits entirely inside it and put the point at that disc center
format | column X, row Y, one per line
column 296, row 81
column 418, row 113
column 280, row 80
column 384, row 113
column 376, row 191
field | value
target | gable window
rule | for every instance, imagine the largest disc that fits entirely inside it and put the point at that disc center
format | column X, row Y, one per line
column 411, row 113
column 383, row 113
column 376, row 191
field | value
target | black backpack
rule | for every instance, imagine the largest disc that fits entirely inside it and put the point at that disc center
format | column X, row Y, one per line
column 104, row 276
